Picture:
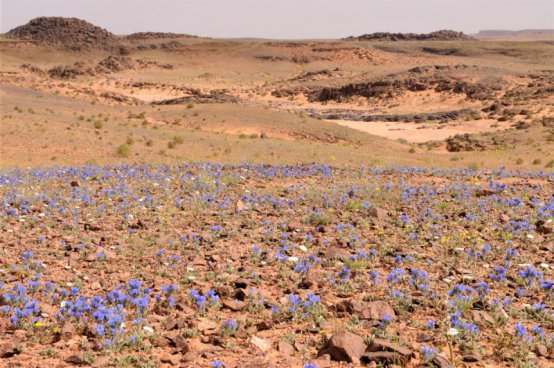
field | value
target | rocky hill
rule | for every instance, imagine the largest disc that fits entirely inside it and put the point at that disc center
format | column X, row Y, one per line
column 442, row 35
column 71, row 33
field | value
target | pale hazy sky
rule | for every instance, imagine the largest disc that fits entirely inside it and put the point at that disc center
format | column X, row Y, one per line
column 287, row 18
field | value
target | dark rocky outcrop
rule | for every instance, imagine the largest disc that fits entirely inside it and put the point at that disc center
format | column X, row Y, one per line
column 442, row 35
column 69, row 33
column 153, row 35
column 353, row 115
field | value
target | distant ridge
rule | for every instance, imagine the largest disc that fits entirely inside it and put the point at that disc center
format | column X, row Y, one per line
column 442, row 35
column 151, row 35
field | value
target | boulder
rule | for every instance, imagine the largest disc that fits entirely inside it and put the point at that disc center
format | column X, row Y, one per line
column 381, row 345
column 344, row 346
column 261, row 344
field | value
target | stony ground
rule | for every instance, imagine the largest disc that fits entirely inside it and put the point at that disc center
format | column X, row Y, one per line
column 207, row 265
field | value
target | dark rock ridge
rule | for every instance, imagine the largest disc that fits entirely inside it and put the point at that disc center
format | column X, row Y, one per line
column 110, row 64
column 473, row 142
column 199, row 97
column 418, row 79
column 384, row 88
column 70, row 33
column 353, row 115
column 153, row 35
column 442, row 35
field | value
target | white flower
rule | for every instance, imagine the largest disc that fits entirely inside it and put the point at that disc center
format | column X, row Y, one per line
column 452, row 332
column 292, row 259
column 148, row 329
column 303, row 248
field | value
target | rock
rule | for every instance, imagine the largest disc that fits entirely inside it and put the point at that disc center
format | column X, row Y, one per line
column 481, row 317
column 541, row 350
column 189, row 357
column 323, row 361
column 160, row 341
column 335, row 253
column 233, row 304
column 378, row 213
column 441, row 362
column 240, row 294
column 241, row 283
column 254, row 363
column 180, row 342
column 521, row 125
column 67, row 331
column 467, row 142
column 349, row 307
column 285, row 348
column 240, row 206
column 384, row 357
column 75, row 360
column 344, row 346
column 544, row 228
column 92, row 227
column 471, row 356
column 502, row 314
column 310, row 282
column 377, row 310
column 378, row 345
column 294, row 226
column 205, row 325
column 170, row 323
column 261, row 344
column 8, row 349
column 169, row 359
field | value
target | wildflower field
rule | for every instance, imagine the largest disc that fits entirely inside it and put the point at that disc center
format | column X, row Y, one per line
column 208, row 265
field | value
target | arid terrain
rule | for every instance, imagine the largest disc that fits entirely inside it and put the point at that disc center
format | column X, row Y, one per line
column 381, row 200
column 381, row 99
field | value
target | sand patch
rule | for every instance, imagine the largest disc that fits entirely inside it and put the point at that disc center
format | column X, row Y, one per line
column 421, row 132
